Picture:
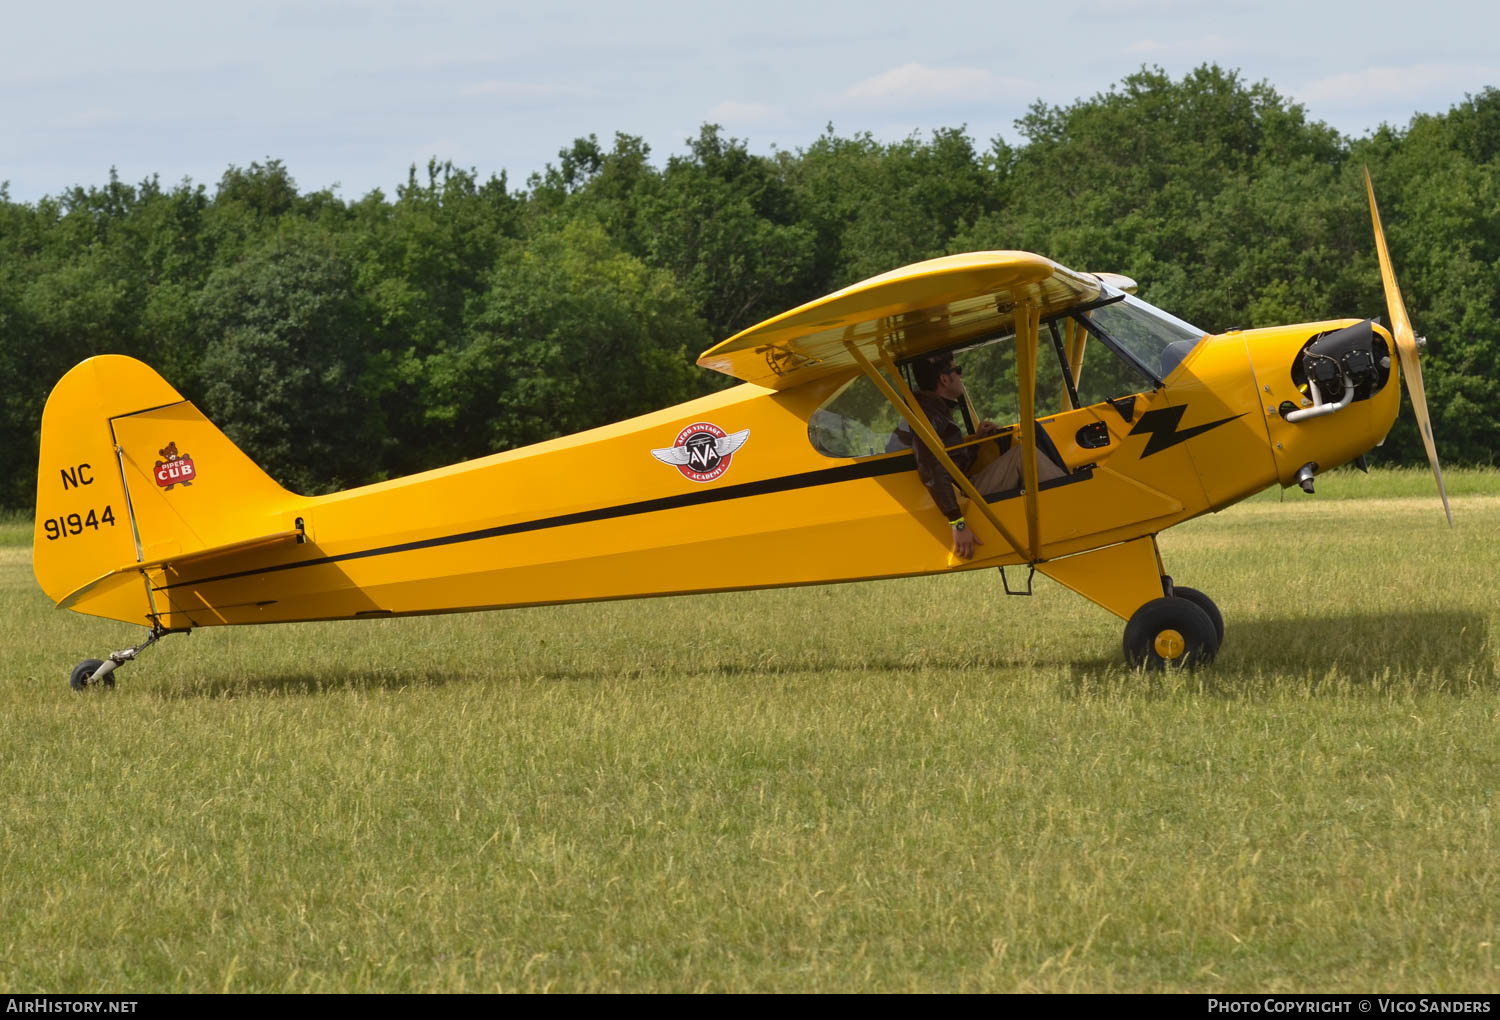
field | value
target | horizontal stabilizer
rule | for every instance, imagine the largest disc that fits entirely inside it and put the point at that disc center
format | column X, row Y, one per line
column 102, row 585
column 122, row 575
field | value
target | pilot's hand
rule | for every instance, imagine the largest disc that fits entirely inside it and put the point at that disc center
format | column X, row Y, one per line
column 987, row 428
column 964, row 541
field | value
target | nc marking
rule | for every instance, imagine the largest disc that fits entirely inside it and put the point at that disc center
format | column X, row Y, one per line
column 76, row 476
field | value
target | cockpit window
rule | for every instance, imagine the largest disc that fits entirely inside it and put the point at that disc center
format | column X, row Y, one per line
column 1156, row 340
column 1129, row 347
column 857, row 421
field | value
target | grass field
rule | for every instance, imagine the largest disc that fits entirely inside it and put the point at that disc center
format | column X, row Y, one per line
column 904, row 785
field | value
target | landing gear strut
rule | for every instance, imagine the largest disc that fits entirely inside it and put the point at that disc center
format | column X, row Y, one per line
column 92, row 673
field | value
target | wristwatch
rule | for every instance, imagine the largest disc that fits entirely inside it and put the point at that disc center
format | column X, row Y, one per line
column 959, row 525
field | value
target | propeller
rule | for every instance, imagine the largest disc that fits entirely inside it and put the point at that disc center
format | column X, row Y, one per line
column 1406, row 347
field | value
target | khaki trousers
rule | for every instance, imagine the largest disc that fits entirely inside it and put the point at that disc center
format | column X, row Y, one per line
column 1004, row 472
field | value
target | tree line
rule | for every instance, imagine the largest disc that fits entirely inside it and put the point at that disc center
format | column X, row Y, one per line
column 343, row 341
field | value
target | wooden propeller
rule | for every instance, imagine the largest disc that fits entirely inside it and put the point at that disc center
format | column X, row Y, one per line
column 1406, row 347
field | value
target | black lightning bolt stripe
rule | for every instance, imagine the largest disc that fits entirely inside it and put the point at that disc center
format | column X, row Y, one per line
column 1161, row 426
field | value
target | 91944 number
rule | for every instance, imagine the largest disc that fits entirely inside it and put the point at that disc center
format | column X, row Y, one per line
column 73, row 524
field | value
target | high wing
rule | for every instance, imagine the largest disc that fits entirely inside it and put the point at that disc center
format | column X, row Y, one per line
column 930, row 305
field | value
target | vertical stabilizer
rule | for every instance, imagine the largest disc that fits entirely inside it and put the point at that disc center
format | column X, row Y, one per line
column 130, row 472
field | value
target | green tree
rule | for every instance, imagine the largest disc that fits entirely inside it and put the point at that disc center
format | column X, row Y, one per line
column 1128, row 181
column 571, row 333
column 877, row 207
column 618, row 189
column 728, row 227
column 420, row 262
column 284, row 364
column 1442, row 214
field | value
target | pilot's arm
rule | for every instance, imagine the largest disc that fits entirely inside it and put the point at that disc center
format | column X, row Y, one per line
column 935, row 477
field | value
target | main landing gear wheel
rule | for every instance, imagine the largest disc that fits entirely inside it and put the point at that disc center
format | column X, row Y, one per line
column 1204, row 603
column 83, row 673
column 1170, row 632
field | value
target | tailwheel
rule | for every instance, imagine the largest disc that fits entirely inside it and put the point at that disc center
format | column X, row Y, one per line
column 91, row 673
column 1170, row 632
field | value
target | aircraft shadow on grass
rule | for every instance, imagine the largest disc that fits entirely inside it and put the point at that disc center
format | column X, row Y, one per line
column 1424, row 650
column 306, row 683
column 1431, row 651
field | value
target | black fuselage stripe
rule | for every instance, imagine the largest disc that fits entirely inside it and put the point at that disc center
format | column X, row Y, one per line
column 786, row 483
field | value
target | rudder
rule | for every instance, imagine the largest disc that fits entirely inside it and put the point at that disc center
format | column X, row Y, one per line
column 130, row 471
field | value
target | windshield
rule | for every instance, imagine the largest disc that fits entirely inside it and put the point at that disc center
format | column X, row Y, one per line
column 1156, row 340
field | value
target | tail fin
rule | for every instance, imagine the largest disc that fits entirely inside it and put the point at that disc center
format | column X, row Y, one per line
column 131, row 473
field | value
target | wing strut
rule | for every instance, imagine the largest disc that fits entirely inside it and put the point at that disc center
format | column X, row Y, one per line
column 1073, row 344
column 1028, row 319
column 922, row 430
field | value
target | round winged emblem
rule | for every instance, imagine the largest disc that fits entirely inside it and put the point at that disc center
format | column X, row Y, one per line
column 702, row 451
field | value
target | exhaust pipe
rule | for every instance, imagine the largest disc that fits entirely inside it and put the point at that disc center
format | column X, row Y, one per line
column 1305, row 476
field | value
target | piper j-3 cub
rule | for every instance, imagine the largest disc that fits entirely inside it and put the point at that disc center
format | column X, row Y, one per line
column 148, row 514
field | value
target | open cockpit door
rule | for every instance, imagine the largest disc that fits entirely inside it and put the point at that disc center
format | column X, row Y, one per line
column 931, row 306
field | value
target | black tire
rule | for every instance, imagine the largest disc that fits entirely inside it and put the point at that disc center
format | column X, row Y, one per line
column 1170, row 632
column 79, row 681
column 1204, row 603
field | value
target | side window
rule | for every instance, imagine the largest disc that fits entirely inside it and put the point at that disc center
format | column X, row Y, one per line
column 992, row 383
column 857, row 421
column 991, row 379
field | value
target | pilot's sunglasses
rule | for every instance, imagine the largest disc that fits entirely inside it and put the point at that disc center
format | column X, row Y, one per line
column 951, row 369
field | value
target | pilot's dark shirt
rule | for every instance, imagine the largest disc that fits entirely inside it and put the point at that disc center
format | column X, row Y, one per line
column 940, row 413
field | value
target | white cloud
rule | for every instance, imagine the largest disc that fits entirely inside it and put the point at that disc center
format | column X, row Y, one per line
column 335, row 17
column 1416, row 82
column 522, row 89
column 919, row 85
column 447, row 145
column 1203, row 46
column 732, row 112
column 1161, row 10
column 92, row 117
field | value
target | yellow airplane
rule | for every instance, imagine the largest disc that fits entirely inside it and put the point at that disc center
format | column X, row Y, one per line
column 804, row 474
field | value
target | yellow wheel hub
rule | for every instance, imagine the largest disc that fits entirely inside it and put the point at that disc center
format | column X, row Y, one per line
column 1169, row 644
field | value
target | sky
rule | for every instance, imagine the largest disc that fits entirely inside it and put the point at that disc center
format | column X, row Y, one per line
column 349, row 94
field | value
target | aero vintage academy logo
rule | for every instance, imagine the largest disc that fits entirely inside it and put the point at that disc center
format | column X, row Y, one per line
column 175, row 469
column 702, row 451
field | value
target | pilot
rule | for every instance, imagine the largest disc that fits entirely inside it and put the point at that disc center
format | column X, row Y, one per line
column 940, row 386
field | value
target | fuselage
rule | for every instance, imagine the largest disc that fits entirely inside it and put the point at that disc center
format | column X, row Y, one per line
column 598, row 516
column 731, row 491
